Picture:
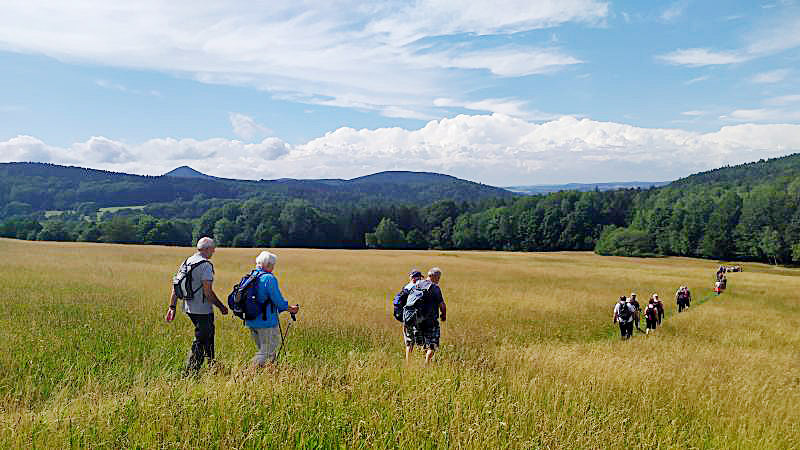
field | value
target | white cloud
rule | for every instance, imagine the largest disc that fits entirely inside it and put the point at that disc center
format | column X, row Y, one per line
column 697, row 79
column 378, row 57
column 694, row 113
column 246, row 127
column 698, row 57
column 772, row 76
column 106, row 84
column 783, row 100
column 495, row 149
column 762, row 115
column 509, row 107
column 774, row 37
column 674, row 11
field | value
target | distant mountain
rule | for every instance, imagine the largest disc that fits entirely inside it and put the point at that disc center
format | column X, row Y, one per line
column 187, row 172
column 585, row 187
column 41, row 187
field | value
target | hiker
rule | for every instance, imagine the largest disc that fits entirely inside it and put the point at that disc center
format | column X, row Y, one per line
column 400, row 301
column 659, row 307
column 623, row 314
column 265, row 328
column 651, row 316
column 632, row 300
column 683, row 298
column 194, row 284
column 421, row 315
column 718, row 287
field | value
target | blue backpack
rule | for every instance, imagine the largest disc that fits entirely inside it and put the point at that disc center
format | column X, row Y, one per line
column 399, row 303
column 243, row 299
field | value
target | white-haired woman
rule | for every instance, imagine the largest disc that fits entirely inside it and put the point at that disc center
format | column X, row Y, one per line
column 264, row 329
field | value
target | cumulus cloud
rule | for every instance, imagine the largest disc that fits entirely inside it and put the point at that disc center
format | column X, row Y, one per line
column 246, row 127
column 372, row 56
column 495, row 149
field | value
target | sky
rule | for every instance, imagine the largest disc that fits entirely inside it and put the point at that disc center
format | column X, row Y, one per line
column 504, row 92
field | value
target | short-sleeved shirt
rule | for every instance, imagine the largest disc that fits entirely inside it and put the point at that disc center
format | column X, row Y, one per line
column 436, row 299
column 203, row 272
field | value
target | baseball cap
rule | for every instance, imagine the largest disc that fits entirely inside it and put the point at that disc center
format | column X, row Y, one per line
column 415, row 273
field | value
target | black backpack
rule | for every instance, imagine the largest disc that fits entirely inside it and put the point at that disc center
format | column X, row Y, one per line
column 624, row 312
column 243, row 299
column 416, row 310
column 182, row 281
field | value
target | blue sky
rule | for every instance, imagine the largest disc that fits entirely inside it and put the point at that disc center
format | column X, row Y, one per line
column 504, row 92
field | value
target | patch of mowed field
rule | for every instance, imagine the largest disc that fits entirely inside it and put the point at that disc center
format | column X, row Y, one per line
column 529, row 356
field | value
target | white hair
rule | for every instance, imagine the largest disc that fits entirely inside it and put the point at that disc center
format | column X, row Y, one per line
column 435, row 271
column 205, row 243
column 265, row 259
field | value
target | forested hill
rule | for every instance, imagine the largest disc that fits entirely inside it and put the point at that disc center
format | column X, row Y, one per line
column 37, row 187
column 783, row 169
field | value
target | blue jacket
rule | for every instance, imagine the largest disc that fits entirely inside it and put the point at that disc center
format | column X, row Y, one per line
column 268, row 289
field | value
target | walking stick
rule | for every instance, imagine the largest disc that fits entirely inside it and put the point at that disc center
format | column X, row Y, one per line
column 284, row 336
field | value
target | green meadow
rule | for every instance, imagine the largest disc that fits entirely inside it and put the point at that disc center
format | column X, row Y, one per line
column 529, row 356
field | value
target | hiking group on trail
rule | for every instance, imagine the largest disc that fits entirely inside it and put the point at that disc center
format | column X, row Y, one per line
column 627, row 309
column 258, row 301
column 627, row 313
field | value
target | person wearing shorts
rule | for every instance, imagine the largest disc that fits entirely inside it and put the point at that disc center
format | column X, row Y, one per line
column 427, row 335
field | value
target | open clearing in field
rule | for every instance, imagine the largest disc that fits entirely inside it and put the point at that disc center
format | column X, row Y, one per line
column 529, row 357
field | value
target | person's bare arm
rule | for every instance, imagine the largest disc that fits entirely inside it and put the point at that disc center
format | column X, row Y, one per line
column 208, row 290
column 173, row 301
column 443, row 309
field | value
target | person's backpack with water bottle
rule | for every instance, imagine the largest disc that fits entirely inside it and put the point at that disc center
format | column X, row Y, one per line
column 243, row 299
column 416, row 310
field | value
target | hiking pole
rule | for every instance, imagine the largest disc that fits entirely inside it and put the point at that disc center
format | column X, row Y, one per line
column 284, row 336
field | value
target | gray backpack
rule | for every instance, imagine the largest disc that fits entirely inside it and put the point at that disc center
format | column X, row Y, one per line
column 182, row 281
column 415, row 311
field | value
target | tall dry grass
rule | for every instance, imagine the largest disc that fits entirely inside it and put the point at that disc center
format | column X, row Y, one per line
column 529, row 356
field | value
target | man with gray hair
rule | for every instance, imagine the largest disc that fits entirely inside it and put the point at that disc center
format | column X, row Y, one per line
column 265, row 329
column 195, row 280
column 425, row 330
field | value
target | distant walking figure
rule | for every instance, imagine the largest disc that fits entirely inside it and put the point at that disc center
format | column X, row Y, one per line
column 623, row 315
column 632, row 300
column 659, row 307
column 651, row 316
column 683, row 298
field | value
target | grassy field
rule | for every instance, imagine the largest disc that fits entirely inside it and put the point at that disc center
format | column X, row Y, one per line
column 529, row 356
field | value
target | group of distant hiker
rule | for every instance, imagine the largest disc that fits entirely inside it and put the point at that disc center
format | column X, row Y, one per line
column 628, row 311
column 419, row 306
column 258, row 301
column 721, row 282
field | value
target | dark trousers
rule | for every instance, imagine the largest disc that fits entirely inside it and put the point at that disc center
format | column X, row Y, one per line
column 203, row 345
column 683, row 304
column 626, row 329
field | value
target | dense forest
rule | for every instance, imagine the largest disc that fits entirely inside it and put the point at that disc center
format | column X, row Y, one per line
column 747, row 212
